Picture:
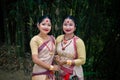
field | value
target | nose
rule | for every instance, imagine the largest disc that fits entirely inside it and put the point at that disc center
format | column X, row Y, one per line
column 46, row 26
column 67, row 26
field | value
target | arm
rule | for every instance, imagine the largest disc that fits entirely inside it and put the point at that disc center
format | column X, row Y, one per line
column 81, row 52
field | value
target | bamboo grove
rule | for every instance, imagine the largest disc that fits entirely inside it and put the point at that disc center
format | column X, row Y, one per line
column 97, row 26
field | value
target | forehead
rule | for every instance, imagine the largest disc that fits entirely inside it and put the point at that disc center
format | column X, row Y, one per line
column 68, row 20
column 46, row 20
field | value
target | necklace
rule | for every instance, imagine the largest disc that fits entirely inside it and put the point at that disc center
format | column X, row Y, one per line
column 63, row 47
column 65, row 40
column 50, row 49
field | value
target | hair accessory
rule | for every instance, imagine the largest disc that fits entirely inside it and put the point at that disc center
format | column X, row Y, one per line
column 42, row 12
column 71, row 11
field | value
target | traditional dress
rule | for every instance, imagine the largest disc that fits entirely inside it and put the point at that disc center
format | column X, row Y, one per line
column 45, row 51
column 74, row 50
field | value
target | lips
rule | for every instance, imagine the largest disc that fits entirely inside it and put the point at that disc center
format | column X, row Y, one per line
column 46, row 29
column 68, row 30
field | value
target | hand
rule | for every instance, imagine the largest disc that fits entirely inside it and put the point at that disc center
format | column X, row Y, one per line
column 62, row 62
column 57, row 58
column 59, row 61
column 56, row 68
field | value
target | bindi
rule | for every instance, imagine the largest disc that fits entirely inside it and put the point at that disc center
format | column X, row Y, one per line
column 67, row 21
column 46, row 20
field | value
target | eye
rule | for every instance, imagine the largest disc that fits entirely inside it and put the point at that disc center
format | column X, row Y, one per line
column 65, row 24
column 43, row 24
column 70, row 24
column 49, row 24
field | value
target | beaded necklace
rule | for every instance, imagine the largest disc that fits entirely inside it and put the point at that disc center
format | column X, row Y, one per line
column 64, row 41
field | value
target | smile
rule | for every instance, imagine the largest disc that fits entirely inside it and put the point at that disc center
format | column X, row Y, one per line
column 46, row 29
column 68, row 30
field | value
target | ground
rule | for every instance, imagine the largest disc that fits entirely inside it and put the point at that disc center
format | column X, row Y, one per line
column 12, row 66
column 14, row 75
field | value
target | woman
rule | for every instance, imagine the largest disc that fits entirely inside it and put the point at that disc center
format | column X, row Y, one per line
column 43, row 48
column 71, row 51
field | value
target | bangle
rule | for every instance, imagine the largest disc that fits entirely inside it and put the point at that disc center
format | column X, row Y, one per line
column 51, row 67
column 69, row 62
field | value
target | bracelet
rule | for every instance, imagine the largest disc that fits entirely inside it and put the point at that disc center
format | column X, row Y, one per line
column 51, row 67
column 69, row 62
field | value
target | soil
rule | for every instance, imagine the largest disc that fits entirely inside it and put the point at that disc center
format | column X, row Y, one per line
column 14, row 75
column 14, row 67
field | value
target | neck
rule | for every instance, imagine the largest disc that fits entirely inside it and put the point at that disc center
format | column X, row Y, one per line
column 68, row 36
column 43, row 36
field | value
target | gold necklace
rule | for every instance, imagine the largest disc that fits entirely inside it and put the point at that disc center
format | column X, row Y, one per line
column 65, row 40
column 63, row 47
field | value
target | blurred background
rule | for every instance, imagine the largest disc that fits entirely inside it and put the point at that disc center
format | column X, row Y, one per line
column 98, row 25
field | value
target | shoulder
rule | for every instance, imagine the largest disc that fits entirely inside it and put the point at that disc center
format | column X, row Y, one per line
column 79, row 40
column 52, row 36
column 35, row 38
column 59, row 38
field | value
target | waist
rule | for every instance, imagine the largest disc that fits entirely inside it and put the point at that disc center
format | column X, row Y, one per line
column 43, row 73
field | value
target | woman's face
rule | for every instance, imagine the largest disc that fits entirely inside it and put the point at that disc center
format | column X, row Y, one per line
column 69, row 26
column 45, row 26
